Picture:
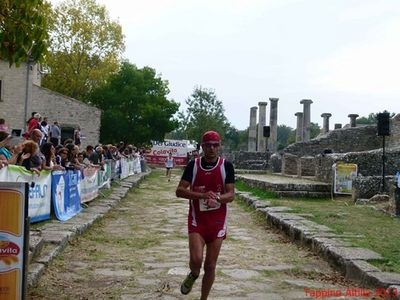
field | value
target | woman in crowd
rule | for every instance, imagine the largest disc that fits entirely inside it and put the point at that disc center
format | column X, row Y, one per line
column 8, row 154
column 28, row 157
column 49, row 153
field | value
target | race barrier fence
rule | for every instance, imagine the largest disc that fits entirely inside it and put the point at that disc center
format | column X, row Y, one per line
column 65, row 191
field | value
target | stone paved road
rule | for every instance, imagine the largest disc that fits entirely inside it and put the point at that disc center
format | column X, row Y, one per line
column 139, row 251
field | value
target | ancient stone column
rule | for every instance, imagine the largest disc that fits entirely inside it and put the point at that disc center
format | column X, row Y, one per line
column 262, row 113
column 306, row 118
column 299, row 127
column 338, row 125
column 353, row 118
column 325, row 126
column 273, row 124
column 252, row 143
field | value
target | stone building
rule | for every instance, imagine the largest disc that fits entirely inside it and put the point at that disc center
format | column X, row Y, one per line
column 21, row 91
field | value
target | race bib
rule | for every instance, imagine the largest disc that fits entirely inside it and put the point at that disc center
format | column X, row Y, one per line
column 204, row 207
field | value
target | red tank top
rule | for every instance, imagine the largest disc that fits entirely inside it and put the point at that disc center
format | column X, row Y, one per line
column 203, row 181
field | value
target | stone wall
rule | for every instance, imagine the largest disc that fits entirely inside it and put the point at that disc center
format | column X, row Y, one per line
column 248, row 160
column 289, row 164
column 393, row 141
column 352, row 139
column 69, row 112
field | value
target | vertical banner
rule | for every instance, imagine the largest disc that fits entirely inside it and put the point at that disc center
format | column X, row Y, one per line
column 39, row 190
column 104, row 176
column 343, row 177
column 65, row 194
column 13, row 245
column 88, row 185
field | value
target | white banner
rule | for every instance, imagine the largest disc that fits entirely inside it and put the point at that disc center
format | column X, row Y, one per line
column 88, row 185
column 39, row 189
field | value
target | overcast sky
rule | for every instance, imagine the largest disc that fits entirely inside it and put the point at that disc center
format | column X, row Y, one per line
column 344, row 55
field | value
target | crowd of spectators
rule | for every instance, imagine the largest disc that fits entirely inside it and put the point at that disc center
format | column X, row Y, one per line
column 42, row 149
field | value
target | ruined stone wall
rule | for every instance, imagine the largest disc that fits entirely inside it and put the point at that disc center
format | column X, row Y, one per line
column 369, row 163
column 248, row 160
column 290, row 164
column 393, row 141
column 353, row 139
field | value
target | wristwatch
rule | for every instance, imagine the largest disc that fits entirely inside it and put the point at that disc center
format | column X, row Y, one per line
column 218, row 199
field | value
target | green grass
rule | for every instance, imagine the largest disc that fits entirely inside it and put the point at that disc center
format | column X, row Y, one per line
column 374, row 229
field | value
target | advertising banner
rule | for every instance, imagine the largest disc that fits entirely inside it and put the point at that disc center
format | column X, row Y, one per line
column 104, row 176
column 39, row 190
column 89, row 188
column 343, row 177
column 65, row 194
column 160, row 150
column 125, row 168
column 13, row 219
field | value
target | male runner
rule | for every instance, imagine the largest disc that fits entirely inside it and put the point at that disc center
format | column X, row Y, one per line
column 209, row 184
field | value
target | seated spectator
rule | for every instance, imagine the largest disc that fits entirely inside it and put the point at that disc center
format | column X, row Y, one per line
column 3, row 126
column 28, row 158
column 49, row 153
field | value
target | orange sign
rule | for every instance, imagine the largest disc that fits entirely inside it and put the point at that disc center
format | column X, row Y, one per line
column 12, row 223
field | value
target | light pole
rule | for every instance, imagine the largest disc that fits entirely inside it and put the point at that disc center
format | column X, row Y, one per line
column 28, row 66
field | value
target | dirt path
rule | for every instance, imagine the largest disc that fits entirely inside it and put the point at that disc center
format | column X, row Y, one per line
column 139, row 251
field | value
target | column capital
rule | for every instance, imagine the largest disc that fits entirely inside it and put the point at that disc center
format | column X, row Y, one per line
column 306, row 101
column 353, row 116
column 262, row 103
column 326, row 115
column 254, row 108
column 274, row 99
column 299, row 114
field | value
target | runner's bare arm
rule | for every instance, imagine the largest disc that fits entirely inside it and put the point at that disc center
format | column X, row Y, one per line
column 229, row 195
column 183, row 191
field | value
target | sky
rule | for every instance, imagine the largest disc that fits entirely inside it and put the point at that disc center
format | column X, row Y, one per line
column 344, row 55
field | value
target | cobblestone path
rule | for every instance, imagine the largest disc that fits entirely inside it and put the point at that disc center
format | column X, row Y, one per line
column 140, row 251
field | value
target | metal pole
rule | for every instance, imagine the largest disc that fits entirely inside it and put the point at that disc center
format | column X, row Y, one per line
column 383, row 164
column 26, row 93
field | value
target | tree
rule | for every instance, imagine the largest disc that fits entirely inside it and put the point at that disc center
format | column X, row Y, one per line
column 23, row 30
column 284, row 133
column 86, row 47
column 205, row 112
column 372, row 118
column 315, row 130
column 135, row 107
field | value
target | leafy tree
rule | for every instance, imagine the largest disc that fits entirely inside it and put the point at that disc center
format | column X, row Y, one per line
column 135, row 107
column 86, row 47
column 283, row 134
column 204, row 112
column 23, row 30
column 315, row 130
column 372, row 118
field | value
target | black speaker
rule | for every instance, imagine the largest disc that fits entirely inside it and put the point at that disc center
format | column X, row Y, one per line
column 266, row 131
column 383, row 124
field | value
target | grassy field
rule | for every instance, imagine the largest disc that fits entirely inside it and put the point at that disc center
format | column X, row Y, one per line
column 374, row 229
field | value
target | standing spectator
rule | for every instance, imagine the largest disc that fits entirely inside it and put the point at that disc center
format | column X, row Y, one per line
column 55, row 134
column 3, row 125
column 77, row 136
column 45, row 128
column 33, row 123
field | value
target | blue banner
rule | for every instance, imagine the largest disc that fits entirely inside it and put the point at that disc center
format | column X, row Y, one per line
column 65, row 194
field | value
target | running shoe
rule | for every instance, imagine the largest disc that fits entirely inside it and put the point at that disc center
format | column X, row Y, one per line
column 187, row 284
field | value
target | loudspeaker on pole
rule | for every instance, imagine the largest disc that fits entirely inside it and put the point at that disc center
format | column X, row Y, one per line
column 266, row 131
column 383, row 124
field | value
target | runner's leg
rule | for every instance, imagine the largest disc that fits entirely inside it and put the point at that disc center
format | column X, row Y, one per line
column 210, row 264
column 196, row 246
